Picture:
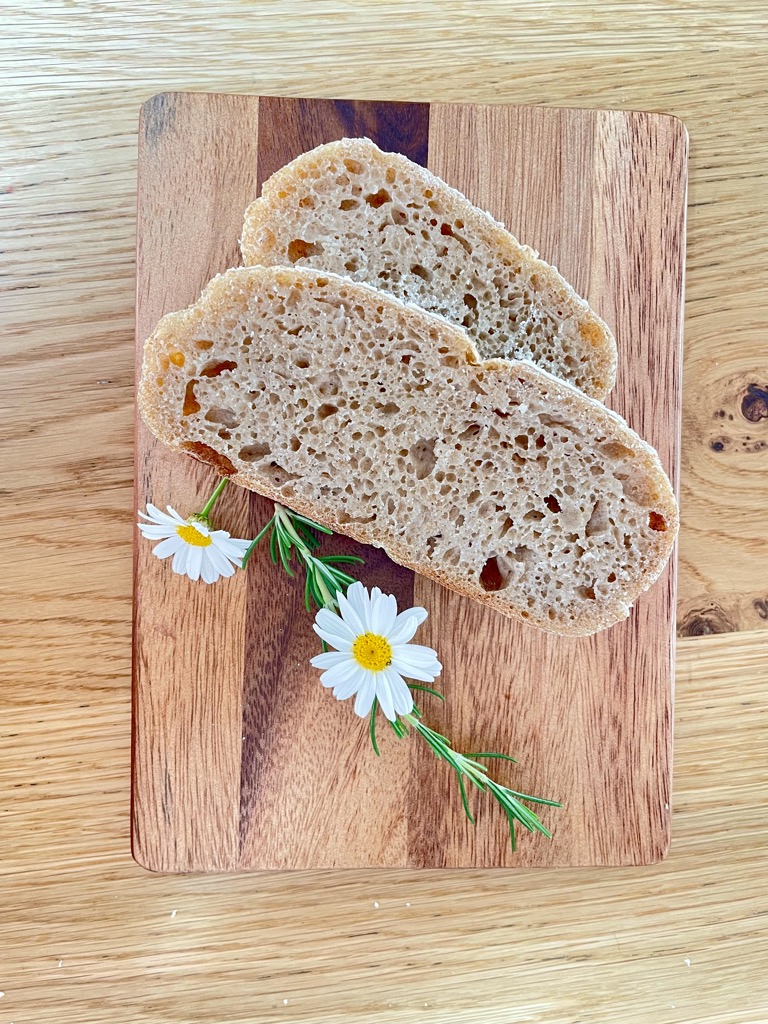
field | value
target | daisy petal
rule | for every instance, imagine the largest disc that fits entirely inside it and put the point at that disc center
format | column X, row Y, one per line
column 335, row 641
column 422, row 675
column 173, row 514
column 328, row 659
column 180, row 559
column 219, row 562
column 339, row 674
column 194, row 563
column 333, row 628
column 416, row 662
column 384, row 695
column 406, row 624
column 415, row 654
column 161, row 518
column 383, row 613
column 401, row 695
column 357, row 596
column 209, row 572
column 344, row 690
column 365, row 696
column 168, row 547
column 156, row 532
column 230, row 547
column 351, row 616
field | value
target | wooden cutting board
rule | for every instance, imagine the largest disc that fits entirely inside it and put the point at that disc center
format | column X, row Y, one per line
column 241, row 760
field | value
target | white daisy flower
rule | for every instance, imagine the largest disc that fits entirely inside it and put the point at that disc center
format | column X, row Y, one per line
column 199, row 551
column 373, row 652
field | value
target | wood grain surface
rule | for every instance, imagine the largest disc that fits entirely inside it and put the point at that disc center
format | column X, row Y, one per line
column 225, row 720
column 85, row 934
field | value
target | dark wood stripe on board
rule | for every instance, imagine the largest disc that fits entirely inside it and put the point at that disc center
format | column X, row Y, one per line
column 278, row 638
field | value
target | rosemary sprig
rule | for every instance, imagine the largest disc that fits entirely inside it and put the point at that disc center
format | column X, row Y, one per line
column 292, row 535
column 295, row 536
column 467, row 767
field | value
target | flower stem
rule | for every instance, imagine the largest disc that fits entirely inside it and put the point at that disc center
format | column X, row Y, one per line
column 214, row 498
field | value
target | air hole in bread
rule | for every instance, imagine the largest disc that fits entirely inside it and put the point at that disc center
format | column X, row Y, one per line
column 351, row 266
column 299, row 249
column 191, row 404
column 455, row 360
column 423, row 458
column 203, row 345
column 280, row 475
column 586, row 593
column 344, row 517
column 307, row 202
column 399, row 216
column 491, row 577
column 422, row 272
column 552, row 503
column 598, row 520
column 547, row 420
column 657, row 522
column 216, row 368
column 612, row 577
column 220, row 414
column 254, row 452
column 354, row 166
column 377, row 199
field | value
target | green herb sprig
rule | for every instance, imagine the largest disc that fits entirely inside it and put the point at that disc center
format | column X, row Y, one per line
column 289, row 534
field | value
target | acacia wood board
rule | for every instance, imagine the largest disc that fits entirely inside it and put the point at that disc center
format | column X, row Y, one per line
column 241, row 760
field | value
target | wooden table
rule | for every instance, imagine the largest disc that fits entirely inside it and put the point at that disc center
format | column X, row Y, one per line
column 85, row 934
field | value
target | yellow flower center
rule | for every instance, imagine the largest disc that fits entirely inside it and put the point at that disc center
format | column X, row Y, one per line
column 191, row 535
column 372, row 652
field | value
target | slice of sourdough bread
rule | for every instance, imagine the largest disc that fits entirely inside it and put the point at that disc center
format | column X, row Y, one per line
column 351, row 209
column 376, row 419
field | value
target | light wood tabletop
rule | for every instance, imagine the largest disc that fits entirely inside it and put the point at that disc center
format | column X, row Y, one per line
column 88, row 936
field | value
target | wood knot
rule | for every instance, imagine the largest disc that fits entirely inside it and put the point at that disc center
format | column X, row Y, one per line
column 754, row 404
column 705, row 622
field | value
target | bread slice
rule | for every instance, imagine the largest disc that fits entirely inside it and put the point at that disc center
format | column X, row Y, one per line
column 377, row 419
column 351, row 209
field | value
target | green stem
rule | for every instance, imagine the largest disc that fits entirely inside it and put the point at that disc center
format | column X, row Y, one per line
column 214, row 498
